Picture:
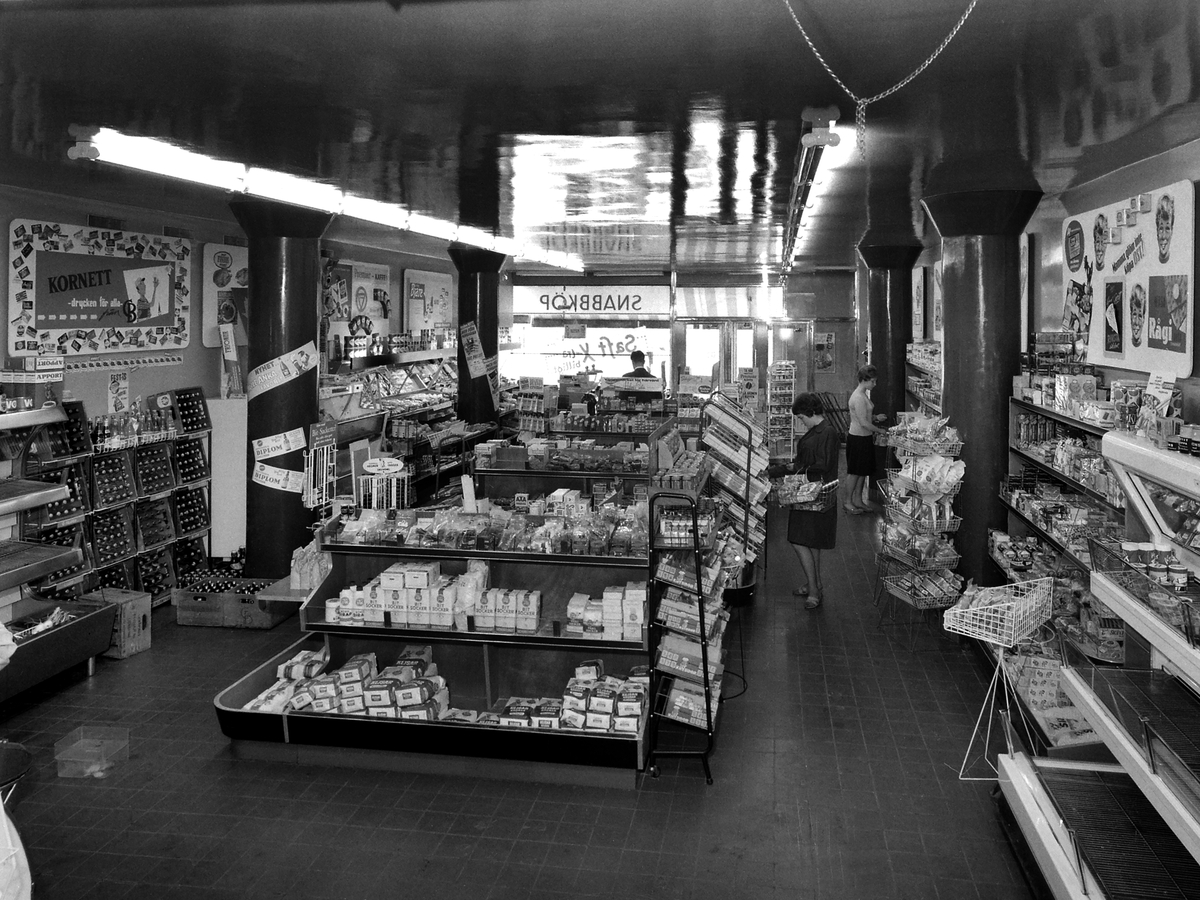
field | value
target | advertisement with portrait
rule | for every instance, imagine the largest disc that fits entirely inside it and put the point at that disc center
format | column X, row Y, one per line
column 1128, row 278
column 77, row 290
column 225, row 288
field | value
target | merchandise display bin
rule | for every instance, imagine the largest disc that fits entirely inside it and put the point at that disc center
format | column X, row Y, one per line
column 577, row 757
column 80, row 640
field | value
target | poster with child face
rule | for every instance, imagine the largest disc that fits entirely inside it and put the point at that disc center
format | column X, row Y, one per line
column 1133, row 260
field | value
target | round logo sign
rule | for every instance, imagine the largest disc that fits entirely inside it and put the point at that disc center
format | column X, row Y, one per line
column 1073, row 245
column 223, row 259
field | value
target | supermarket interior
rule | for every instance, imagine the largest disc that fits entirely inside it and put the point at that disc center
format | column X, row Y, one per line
column 516, row 448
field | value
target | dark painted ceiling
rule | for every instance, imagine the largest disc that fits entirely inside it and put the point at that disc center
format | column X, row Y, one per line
column 625, row 130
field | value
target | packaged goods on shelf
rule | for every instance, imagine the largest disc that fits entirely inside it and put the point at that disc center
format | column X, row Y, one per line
column 685, row 702
column 310, row 566
column 681, row 656
column 305, row 664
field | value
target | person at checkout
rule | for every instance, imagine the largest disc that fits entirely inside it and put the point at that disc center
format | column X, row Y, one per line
column 638, row 359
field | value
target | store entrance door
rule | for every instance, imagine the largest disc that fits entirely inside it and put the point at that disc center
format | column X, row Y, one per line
column 793, row 341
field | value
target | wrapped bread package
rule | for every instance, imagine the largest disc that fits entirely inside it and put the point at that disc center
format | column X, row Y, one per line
column 360, row 667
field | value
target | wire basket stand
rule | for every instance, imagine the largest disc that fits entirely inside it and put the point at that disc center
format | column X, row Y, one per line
column 1013, row 613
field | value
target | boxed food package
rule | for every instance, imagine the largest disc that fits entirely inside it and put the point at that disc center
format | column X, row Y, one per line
column 518, row 712
column 373, row 606
column 418, row 658
column 485, row 610
column 395, row 606
column 350, row 689
column 324, row 704
column 418, row 607
column 529, row 608
column 603, row 699
column 630, row 700
column 323, row 687
column 547, row 713
column 419, row 691
column 441, row 603
column 422, row 573
column 626, row 724
column 392, row 577
column 596, row 721
column 576, row 694
column 351, row 704
column 360, row 667
column 506, row 612
column 572, row 718
column 383, row 712
column 590, row 670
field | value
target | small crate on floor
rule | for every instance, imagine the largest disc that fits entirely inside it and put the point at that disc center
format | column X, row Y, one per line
column 225, row 602
column 91, row 751
column 131, row 629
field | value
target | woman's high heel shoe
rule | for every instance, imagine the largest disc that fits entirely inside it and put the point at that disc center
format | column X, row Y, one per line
column 813, row 602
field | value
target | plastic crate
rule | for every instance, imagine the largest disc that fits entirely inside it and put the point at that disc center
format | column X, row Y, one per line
column 91, row 751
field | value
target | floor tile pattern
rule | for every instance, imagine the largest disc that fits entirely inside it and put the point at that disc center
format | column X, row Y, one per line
column 835, row 779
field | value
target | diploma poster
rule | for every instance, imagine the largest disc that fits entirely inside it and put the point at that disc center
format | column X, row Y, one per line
column 279, row 444
column 75, row 290
column 224, row 290
column 1129, row 280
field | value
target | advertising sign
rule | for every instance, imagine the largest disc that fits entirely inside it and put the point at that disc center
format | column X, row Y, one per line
column 592, row 300
column 225, row 287
column 1135, row 258
column 75, row 290
column 429, row 301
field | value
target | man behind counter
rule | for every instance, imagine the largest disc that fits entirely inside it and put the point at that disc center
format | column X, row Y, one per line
column 638, row 358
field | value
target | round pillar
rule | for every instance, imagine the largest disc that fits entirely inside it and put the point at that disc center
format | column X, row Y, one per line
column 980, row 349
column 478, row 296
column 285, row 283
column 889, row 305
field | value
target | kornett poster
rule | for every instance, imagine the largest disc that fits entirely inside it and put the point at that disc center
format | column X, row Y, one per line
column 1136, row 258
column 76, row 290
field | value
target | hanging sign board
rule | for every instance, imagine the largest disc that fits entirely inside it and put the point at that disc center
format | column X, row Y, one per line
column 592, row 300
column 75, row 290
column 468, row 336
column 1128, row 280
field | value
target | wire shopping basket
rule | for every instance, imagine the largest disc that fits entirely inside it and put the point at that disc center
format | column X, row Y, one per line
column 1006, row 615
column 796, row 492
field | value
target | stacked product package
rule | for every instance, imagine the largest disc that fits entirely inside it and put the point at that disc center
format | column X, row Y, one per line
column 593, row 701
column 617, row 615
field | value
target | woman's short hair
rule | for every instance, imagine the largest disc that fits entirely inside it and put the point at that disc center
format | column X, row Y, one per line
column 866, row 373
column 807, row 405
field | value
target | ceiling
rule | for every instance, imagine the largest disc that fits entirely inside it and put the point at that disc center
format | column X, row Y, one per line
column 639, row 134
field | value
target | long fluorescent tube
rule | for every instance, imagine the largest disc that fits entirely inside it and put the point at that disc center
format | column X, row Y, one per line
column 476, row 237
column 162, row 158
column 375, row 211
column 432, row 227
column 272, row 185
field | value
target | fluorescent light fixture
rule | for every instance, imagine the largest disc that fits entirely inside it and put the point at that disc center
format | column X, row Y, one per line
column 507, row 246
column 375, row 211
column 272, row 185
column 561, row 260
column 476, row 237
column 162, row 158
column 427, row 225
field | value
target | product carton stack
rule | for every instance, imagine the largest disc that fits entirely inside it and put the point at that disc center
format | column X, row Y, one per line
column 408, row 689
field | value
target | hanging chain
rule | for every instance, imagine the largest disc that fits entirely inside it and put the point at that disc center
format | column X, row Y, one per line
column 860, row 103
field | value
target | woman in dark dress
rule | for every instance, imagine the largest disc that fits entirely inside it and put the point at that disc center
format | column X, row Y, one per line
column 811, row 532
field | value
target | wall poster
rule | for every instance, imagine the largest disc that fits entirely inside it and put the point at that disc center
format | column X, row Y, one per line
column 76, row 290
column 225, row 288
column 429, row 300
column 825, row 353
column 1128, row 276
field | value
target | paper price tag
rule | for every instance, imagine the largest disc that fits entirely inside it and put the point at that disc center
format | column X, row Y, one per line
column 279, row 479
column 279, row 444
column 281, row 370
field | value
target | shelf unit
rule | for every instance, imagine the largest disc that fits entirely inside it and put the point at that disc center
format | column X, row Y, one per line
column 1053, row 425
column 481, row 667
column 1145, row 712
column 685, row 647
column 131, row 504
column 781, row 392
column 923, row 377
column 87, row 632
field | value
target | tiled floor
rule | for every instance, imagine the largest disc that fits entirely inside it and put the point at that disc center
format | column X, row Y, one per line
column 835, row 778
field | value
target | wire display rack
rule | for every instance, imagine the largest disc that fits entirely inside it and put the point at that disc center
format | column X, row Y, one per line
column 1003, row 617
column 896, row 513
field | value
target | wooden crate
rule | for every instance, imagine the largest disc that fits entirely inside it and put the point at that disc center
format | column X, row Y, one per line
column 131, row 629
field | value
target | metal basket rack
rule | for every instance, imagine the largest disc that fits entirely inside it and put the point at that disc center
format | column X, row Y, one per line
column 922, row 526
column 894, row 586
column 919, row 564
column 905, row 446
column 1025, row 608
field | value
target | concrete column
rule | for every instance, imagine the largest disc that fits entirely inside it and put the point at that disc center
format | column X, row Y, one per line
column 981, row 319
column 889, row 305
column 478, row 294
column 285, row 284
